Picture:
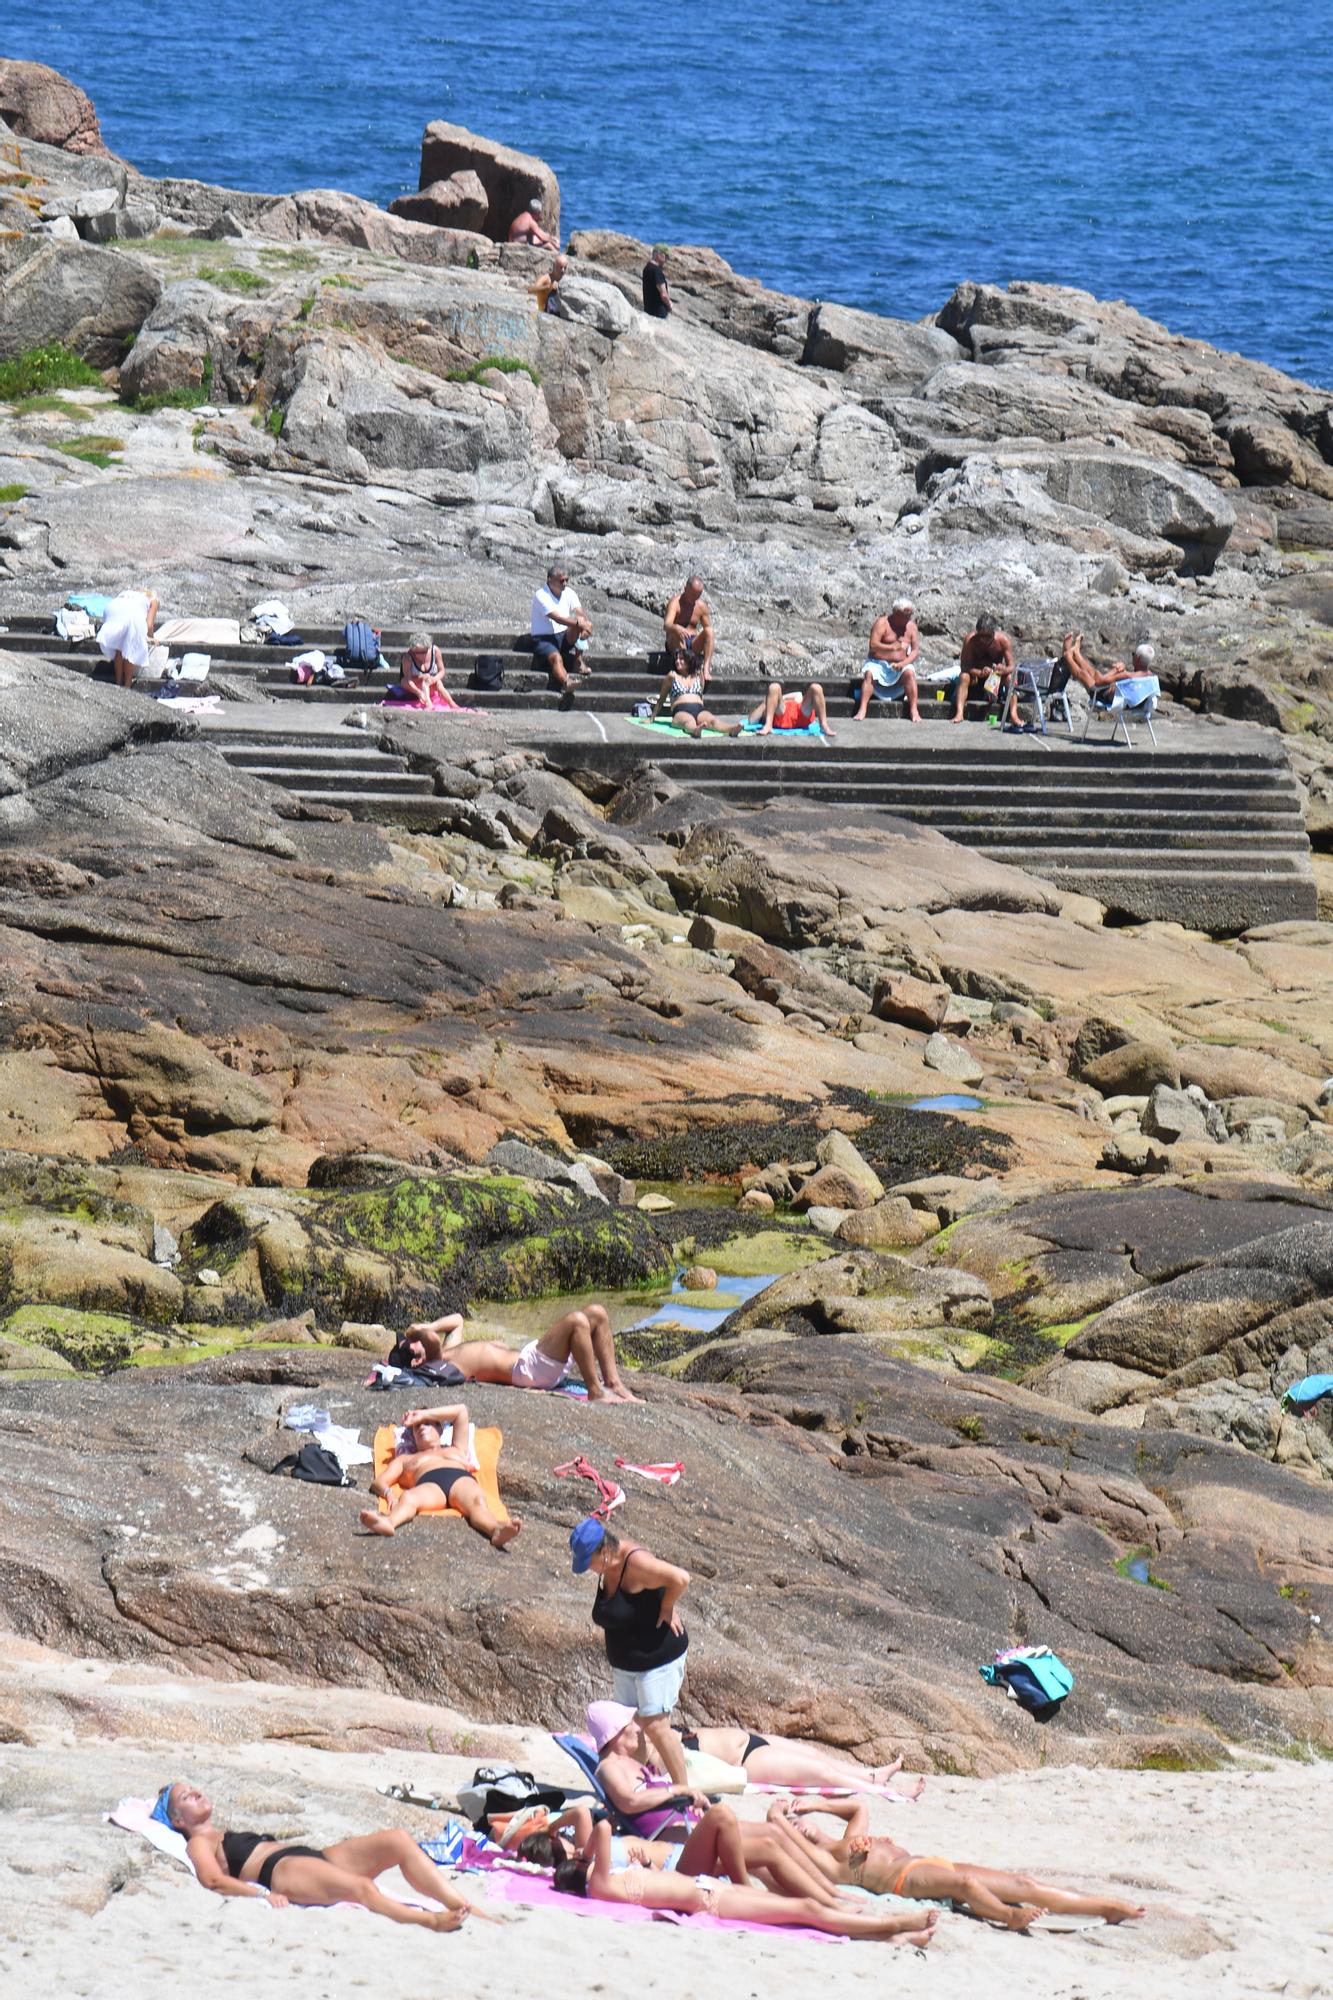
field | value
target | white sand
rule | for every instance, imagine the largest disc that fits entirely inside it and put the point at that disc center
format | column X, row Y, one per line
column 1233, row 1866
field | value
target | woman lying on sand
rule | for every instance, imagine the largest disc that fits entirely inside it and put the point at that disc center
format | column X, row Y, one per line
column 257, row 1864
column 432, row 1476
column 627, row 1764
column 653, row 1889
column 879, row 1864
column 720, row 1844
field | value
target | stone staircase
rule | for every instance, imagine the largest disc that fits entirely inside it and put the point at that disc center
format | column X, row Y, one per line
column 1212, row 836
column 337, row 768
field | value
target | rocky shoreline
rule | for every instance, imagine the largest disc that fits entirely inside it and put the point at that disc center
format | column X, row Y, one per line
column 272, row 1080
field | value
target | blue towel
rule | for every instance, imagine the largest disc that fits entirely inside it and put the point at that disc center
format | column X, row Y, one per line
column 811, row 729
column 1303, row 1395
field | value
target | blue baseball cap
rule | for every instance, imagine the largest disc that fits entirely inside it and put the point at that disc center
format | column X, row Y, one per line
column 584, row 1543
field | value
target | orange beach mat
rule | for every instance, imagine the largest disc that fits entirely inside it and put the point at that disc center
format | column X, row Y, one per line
column 486, row 1443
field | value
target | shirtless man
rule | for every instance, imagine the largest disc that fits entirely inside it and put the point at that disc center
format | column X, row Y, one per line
column 882, row 1866
column 526, row 227
column 1094, row 680
column 581, row 1339
column 433, row 1476
column 986, row 651
column 781, row 710
column 688, row 624
column 895, row 645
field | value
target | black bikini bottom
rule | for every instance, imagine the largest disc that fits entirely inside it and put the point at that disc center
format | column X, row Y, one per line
column 446, row 1477
column 270, row 1861
column 693, row 708
column 753, row 1743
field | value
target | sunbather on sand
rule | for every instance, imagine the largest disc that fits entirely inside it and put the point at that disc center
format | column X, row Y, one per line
column 654, row 1889
column 432, row 1476
column 581, row 1339
column 881, row 1865
column 256, row 1864
column 780, row 1760
column 720, row 1844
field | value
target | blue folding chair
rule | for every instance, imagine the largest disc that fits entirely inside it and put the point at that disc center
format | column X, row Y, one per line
column 1137, row 697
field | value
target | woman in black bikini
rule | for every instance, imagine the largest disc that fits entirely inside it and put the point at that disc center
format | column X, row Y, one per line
column 683, row 692
column 255, row 1864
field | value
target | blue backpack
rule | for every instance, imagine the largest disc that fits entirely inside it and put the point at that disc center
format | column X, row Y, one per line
column 361, row 646
column 1032, row 1676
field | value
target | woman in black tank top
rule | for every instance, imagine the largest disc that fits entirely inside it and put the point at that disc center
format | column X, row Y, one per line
column 646, row 1643
column 258, row 1864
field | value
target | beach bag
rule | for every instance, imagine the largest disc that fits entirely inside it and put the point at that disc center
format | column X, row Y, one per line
column 488, row 674
column 361, row 645
column 272, row 617
column 711, row 1775
column 642, row 711
column 315, row 1465
column 1034, row 1677
column 330, row 674
column 73, row 624
column 499, row 1788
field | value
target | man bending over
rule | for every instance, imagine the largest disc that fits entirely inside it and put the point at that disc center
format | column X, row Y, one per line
column 433, row 1476
column 581, row 1339
column 986, row 651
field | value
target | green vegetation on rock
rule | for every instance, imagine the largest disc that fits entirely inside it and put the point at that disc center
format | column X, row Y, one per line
column 99, row 451
column 8, row 494
column 498, row 364
column 40, row 369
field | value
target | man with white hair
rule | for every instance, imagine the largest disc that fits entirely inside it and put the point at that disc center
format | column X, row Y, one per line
column 526, row 227
column 561, row 630
column 1095, row 679
column 888, row 674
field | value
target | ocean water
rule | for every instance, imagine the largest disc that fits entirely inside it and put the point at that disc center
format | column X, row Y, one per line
column 1174, row 153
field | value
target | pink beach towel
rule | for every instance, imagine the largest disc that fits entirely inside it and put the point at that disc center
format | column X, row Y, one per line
column 541, row 1894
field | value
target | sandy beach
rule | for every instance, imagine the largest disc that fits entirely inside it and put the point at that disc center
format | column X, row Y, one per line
column 1228, row 1863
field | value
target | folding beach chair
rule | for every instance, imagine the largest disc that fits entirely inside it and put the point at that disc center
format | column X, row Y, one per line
column 1137, row 697
column 1047, row 683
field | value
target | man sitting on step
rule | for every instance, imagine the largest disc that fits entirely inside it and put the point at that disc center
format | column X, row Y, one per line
column 986, row 651
column 561, row 630
column 889, row 672
column 688, row 624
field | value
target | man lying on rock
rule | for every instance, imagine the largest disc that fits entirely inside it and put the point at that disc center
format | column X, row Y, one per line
column 580, row 1339
column 431, row 1476
column 886, row 1869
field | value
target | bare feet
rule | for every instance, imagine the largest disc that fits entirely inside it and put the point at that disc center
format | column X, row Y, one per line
column 445, row 1920
column 1023, row 1914
column 955, row 718
column 618, row 1393
column 1120, row 1913
column 908, row 1787
column 766, row 730
column 920, row 1938
column 378, row 1524
column 507, row 1532
column 828, row 732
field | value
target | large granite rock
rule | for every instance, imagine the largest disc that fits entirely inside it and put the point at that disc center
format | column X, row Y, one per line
column 38, row 103
column 865, row 1291
column 510, row 179
column 460, row 202
column 93, row 300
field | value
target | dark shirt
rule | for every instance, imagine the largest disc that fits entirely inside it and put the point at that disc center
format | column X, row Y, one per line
column 635, row 1642
column 655, row 299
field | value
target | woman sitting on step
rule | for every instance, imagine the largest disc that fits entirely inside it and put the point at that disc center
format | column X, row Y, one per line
column 421, row 675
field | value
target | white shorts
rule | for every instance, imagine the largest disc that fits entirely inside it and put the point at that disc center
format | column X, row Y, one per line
column 535, row 1370
column 653, row 1693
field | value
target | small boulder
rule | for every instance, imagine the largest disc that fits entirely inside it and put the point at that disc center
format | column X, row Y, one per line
column 654, row 1204
column 298, row 1331
column 912, row 1003
column 950, row 1059
column 837, row 1150
column 826, row 1220
column 1172, row 1115
column 892, row 1224
column 834, row 1187
column 1135, row 1069
column 757, row 1201
column 460, row 202
column 366, row 1336
column 699, row 1278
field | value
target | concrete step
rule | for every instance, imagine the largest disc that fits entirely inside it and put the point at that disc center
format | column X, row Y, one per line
column 1115, row 863
column 299, row 778
column 314, row 757
column 388, row 808
column 1185, row 842
column 1023, row 794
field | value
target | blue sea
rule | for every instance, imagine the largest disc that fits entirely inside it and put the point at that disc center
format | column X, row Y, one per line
column 1174, row 153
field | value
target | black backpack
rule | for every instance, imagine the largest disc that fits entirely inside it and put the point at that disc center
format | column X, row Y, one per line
column 361, row 646
column 488, row 674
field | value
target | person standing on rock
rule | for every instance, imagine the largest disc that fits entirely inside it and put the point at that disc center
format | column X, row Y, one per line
column 526, row 227
column 688, row 625
column 561, row 630
column 656, row 291
column 126, row 633
column 986, row 651
column 895, row 646
column 646, row 1644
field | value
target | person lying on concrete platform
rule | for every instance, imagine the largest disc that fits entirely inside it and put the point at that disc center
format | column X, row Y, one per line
column 986, row 651
column 421, row 675
column 431, row 1476
column 579, row 1340
column 780, row 710
column 682, row 692
column 853, row 1858
column 688, row 625
column 888, row 674
column 561, row 630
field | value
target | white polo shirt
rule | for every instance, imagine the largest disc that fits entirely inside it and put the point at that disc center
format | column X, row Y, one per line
column 544, row 602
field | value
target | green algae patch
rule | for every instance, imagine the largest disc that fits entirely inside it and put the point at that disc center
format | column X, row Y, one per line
column 1136, row 1567
column 88, row 1342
